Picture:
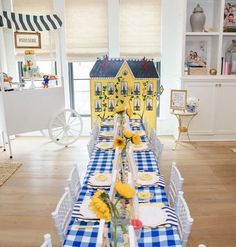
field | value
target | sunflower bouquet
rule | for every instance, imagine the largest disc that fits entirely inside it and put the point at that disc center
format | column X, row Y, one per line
column 106, row 209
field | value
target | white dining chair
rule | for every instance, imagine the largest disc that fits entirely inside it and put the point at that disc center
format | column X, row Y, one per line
column 47, row 240
column 185, row 220
column 61, row 215
column 155, row 145
column 132, row 237
column 74, row 183
column 100, row 238
column 175, row 184
column 95, row 130
column 90, row 145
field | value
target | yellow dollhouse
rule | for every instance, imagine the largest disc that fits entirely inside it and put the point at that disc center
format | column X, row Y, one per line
column 130, row 82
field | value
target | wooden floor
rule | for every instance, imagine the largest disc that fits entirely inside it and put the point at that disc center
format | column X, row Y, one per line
column 30, row 195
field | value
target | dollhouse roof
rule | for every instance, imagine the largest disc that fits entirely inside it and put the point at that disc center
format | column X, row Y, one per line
column 110, row 67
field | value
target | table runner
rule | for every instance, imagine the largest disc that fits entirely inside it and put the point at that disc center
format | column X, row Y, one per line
column 101, row 161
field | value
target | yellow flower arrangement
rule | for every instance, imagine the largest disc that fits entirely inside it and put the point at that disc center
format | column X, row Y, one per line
column 99, row 206
column 136, row 139
column 124, row 190
column 119, row 142
column 127, row 133
column 120, row 109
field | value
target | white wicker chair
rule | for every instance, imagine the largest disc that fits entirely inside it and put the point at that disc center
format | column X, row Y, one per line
column 100, row 238
column 90, row 145
column 175, row 184
column 47, row 241
column 95, row 130
column 132, row 237
column 61, row 215
column 184, row 218
column 155, row 145
column 74, row 183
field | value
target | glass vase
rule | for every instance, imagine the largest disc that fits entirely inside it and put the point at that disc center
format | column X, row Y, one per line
column 119, row 232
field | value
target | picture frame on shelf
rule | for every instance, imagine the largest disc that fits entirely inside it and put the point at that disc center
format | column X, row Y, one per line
column 196, row 54
column 178, row 99
column 229, row 24
column 25, row 40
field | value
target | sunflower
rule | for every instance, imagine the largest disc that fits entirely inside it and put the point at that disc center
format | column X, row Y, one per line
column 119, row 142
column 120, row 109
column 128, row 134
column 129, row 112
column 99, row 207
column 136, row 139
column 124, row 190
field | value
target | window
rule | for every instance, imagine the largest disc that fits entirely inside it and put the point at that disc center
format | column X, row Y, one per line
column 86, row 28
column 81, row 86
column 140, row 28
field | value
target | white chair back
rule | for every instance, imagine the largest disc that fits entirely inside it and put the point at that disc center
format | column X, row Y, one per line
column 61, row 215
column 132, row 164
column 95, row 130
column 175, row 184
column 47, row 241
column 155, row 145
column 132, row 237
column 90, row 145
column 100, row 238
column 184, row 219
column 74, row 183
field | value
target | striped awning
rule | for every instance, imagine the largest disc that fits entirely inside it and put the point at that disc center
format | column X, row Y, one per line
column 33, row 23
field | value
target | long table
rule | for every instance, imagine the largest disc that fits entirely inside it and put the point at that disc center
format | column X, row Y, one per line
column 81, row 233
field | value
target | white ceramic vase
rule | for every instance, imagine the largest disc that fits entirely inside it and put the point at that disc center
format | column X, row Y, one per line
column 197, row 19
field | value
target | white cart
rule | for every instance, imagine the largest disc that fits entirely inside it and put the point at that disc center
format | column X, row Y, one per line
column 38, row 109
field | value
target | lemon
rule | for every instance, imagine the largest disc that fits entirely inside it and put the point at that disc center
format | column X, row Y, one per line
column 144, row 195
column 145, row 176
column 101, row 177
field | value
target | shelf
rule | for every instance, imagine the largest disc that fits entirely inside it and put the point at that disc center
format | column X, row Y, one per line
column 229, row 34
column 208, row 78
column 203, row 34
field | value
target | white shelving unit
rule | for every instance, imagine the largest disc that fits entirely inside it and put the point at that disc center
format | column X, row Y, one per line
column 217, row 114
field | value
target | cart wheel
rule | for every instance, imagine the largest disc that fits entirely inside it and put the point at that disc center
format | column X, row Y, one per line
column 65, row 127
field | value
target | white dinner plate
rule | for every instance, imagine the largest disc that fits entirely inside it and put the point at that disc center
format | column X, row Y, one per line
column 105, row 145
column 100, row 179
column 106, row 133
column 147, row 178
column 85, row 211
column 140, row 147
column 152, row 215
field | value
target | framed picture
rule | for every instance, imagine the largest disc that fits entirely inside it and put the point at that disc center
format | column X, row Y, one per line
column 27, row 40
column 229, row 16
column 196, row 54
column 178, row 99
column 98, row 88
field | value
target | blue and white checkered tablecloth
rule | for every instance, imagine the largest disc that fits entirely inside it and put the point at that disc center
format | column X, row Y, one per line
column 101, row 161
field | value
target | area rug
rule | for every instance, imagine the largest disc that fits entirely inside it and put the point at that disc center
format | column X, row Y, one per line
column 7, row 169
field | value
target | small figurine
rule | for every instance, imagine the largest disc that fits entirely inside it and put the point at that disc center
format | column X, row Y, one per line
column 45, row 81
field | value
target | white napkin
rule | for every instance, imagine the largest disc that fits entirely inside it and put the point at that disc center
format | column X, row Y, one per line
column 86, row 211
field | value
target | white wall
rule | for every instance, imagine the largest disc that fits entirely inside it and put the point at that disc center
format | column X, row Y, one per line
column 171, row 59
